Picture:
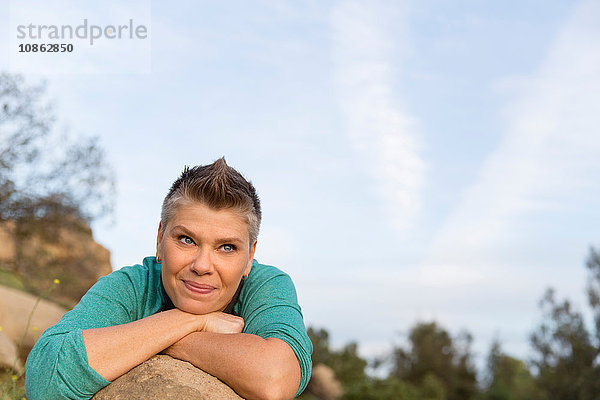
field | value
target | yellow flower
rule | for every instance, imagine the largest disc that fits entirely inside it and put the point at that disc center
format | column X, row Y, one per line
column 35, row 328
column 56, row 281
column 14, row 377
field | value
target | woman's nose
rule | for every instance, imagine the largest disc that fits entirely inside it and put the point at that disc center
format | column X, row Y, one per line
column 202, row 263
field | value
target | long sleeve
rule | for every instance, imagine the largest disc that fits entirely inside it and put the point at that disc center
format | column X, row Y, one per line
column 57, row 366
column 269, row 306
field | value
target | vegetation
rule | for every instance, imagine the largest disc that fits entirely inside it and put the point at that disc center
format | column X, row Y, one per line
column 508, row 378
column 436, row 366
column 567, row 351
column 49, row 184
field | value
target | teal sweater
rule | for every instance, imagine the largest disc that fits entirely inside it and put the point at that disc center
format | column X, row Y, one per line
column 58, row 368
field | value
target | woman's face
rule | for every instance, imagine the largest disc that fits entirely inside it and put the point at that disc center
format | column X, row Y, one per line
column 204, row 254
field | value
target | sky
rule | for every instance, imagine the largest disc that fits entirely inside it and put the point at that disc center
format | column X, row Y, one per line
column 416, row 160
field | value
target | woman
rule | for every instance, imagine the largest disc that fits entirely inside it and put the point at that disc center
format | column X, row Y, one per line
column 202, row 299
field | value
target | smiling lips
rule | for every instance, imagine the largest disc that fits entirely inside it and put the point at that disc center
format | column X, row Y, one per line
column 198, row 287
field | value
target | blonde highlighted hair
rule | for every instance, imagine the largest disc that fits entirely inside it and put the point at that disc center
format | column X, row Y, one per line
column 217, row 186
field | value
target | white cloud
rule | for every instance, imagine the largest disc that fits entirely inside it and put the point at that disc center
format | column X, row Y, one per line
column 378, row 127
column 547, row 161
column 442, row 275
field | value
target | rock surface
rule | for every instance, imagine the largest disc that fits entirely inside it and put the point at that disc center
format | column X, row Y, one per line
column 70, row 254
column 323, row 383
column 163, row 377
column 15, row 309
column 8, row 354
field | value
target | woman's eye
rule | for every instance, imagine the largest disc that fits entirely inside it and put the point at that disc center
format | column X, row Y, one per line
column 228, row 247
column 186, row 239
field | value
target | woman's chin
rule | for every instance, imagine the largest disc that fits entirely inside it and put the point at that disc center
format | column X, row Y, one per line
column 198, row 309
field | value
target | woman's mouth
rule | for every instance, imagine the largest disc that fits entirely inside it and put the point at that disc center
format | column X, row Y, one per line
column 198, row 287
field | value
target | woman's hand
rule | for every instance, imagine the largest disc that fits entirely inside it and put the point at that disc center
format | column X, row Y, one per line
column 215, row 322
column 219, row 322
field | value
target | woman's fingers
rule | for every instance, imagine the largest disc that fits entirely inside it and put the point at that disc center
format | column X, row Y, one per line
column 219, row 322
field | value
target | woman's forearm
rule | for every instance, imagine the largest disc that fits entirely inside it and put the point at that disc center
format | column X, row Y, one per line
column 114, row 350
column 254, row 367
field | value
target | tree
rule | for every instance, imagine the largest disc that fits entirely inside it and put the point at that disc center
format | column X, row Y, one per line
column 348, row 366
column 593, row 290
column 508, row 377
column 41, row 174
column 566, row 352
column 349, row 369
column 47, row 183
column 384, row 389
column 320, row 341
column 433, row 356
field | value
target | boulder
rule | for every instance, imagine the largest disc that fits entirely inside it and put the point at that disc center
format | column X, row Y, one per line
column 164, row 377
column 67, row 251
column 323, row 383
column 15, row 310
column 8, row 354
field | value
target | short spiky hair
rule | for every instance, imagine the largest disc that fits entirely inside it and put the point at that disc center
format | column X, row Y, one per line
column 218, row 186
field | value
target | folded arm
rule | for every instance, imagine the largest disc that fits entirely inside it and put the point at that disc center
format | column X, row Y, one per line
column 254, row 367
column 114, row 350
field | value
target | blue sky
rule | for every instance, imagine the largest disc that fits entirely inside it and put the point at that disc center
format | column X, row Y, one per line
column 416, row 160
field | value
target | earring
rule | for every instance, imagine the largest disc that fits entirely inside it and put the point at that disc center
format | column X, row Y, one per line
column 244, row 277
column 158, row 259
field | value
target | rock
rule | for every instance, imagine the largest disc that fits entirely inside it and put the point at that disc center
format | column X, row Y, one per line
column 8, row 354
column 68, row 253
column 163, row 377
column 15, row 309
column 323, row 383
column 7, row 245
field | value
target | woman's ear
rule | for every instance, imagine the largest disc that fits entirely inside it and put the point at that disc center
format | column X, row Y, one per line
column 250, row 259
column 159, row 237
